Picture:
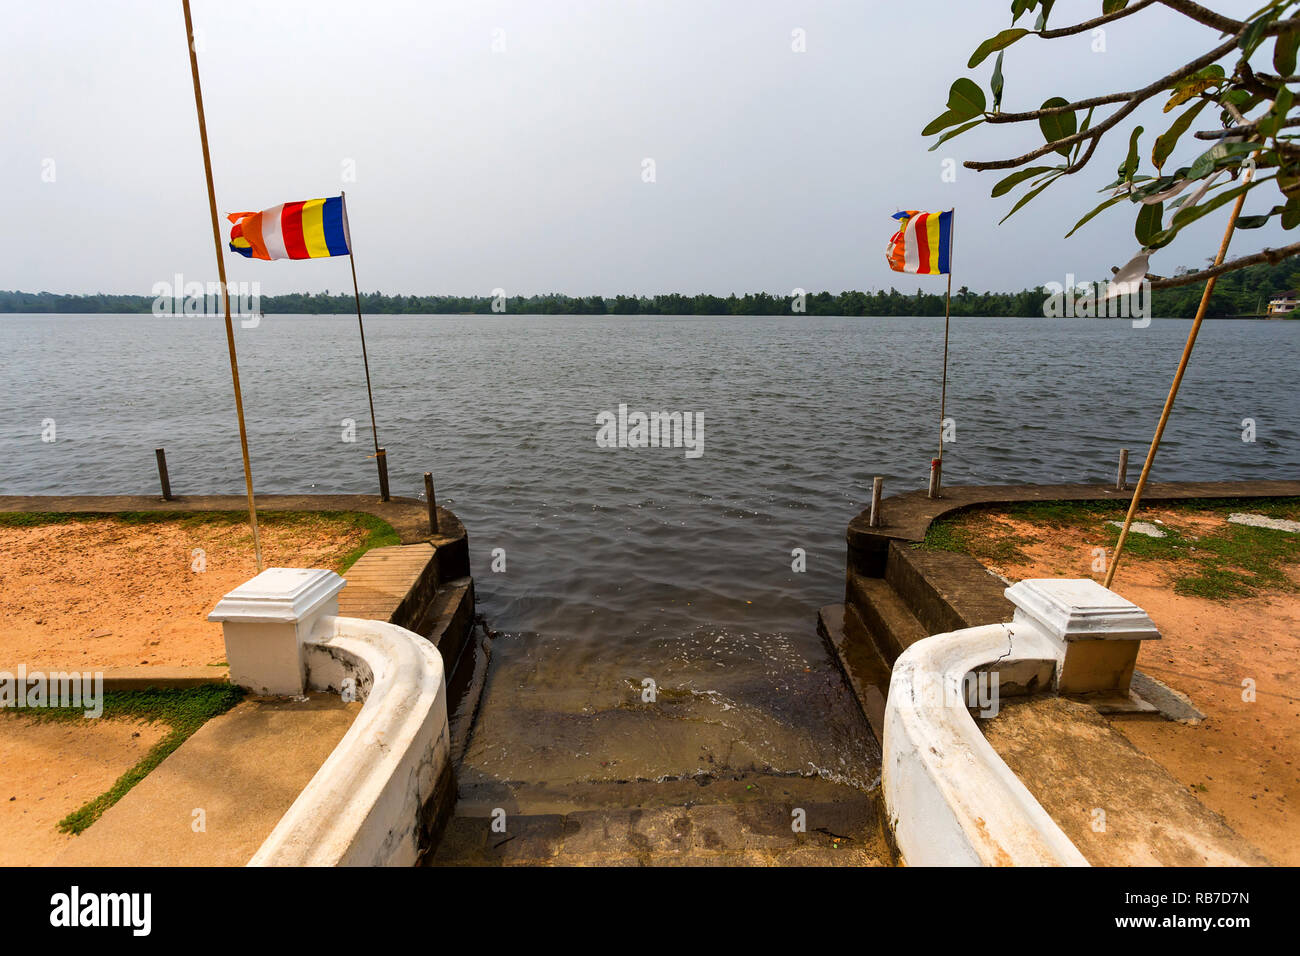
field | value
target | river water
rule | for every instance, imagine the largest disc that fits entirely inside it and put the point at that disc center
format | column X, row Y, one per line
column 624, row 560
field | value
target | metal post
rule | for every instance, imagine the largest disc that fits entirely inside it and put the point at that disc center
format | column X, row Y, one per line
column 433, row 502
column 877, row 485
column 365, row 359
column 162, row 474
column 936, row 476
column 381, row 459
column 1121, row 483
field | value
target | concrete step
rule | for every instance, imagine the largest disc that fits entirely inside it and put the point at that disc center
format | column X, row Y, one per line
column 533, row 798
column 886, row 616
column 945, row 591
column 862, row 661
column 841, row 833
column 448, row 619
column 391, row 584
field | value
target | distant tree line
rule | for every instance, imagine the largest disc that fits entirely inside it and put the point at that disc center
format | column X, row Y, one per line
column 1245, row 292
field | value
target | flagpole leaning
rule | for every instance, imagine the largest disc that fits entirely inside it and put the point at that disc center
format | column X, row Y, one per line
column 221, row 275
column 1173, row 388
column 381, row 455
column 936, row 467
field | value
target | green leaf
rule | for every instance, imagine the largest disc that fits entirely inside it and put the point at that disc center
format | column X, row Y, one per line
column 1059, row 125
column 1113, row 6
column 1284, row 52
column 1272, row 123
column 993, row 44
column 1018, row 177
column 1165, row 144
column 954, row 132
column 1026, row 197
column 1106, row 205
column 1291, row 214
column 1130, row 164
column 1251, row 222
column 1043, row 14
column 942, row 121
column 966, row 99
column 1254, row 33
column 1161, row 239
column 1150, row 221
column 996, row 84
column 1087, row 123
column 1219, row 156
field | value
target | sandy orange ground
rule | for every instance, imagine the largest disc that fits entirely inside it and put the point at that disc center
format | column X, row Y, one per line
column 1243, row 761
column 99, row 593
column 50, row 768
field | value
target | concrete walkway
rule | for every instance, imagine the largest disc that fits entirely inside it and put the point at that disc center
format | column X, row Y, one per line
column 242, row 770
column 1117, row 805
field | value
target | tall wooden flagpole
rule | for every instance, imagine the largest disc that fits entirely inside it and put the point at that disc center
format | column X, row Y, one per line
column 936, row 466
column 381, row 454
column 1178, row 380
column 221, row 275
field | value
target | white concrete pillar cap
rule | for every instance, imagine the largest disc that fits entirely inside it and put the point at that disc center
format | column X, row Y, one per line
column 1080, row 609
column 278, row 596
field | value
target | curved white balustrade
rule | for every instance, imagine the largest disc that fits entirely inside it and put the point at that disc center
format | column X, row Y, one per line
column 951, row 799
column 365, row 805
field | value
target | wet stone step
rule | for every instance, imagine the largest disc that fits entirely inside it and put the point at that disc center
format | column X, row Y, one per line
column 886, row 615
column 844, row 833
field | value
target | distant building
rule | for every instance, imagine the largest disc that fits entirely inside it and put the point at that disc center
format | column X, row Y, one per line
column 1284, row 303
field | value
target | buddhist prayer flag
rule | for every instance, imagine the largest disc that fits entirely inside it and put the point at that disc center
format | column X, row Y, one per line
column 312, row 229
column 923, row 243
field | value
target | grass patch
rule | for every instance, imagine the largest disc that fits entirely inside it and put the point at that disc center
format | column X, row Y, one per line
column 1063, row 514
column 183, row 710
column 1226, row 562
column 378, row 532
column 968, row 533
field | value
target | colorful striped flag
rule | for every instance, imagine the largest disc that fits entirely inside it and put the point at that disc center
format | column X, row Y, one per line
column 312, row 229
column 923, row 243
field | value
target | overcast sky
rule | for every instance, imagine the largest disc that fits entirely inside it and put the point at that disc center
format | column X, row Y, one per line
column 522, row 167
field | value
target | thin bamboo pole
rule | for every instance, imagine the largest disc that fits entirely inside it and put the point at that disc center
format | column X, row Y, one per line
column 1173, row 389
column 221, row 275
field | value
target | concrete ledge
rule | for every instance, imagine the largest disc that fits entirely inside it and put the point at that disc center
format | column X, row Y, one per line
column 907, row 516
column 376, row 798
column 950, row 799
column 161, row 678
column 394, row 584
column 409, row 517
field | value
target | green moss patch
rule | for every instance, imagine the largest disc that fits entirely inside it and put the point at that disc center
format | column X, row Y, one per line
column 184, row 710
